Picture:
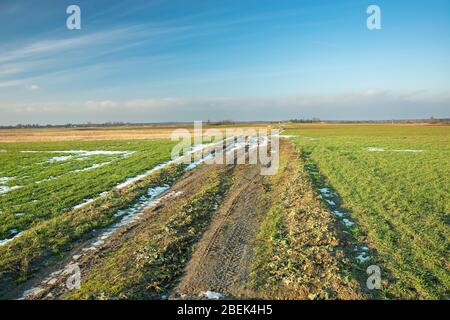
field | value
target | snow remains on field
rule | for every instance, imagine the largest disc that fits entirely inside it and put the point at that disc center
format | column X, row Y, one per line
column 4, row 189
column 362, row 252
column 212, row 295
column 376, row 149
column 130, row 215
column 14, row 233
column 80, row 154
column 83, row 153
column 59, row 159
column 4, row 180
column 95, row 166
column 407, row 150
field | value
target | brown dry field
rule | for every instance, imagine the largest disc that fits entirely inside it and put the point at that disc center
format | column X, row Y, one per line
column 106, row 133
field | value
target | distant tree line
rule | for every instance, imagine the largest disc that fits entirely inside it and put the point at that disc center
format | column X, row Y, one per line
column 431, row 120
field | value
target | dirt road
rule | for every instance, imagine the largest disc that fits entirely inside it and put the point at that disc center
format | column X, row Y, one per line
column 221, row 259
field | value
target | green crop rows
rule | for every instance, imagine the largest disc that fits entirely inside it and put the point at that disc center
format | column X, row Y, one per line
column 51, row 183
column 394, row 180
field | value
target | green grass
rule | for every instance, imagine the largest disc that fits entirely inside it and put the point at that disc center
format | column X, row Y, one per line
column 48, row 188
column 49, row 241
column 399, row 199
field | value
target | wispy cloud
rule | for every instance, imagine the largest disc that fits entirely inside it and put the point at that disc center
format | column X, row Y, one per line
column 352, row 105
column 46, row 57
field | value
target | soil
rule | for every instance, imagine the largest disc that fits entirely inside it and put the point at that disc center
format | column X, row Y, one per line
column 222, row 258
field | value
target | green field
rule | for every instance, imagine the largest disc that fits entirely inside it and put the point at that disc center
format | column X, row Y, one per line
column 45, row 179
column 393, row 181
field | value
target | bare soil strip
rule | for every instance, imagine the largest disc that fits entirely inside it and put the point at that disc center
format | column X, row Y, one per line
column 221, row 260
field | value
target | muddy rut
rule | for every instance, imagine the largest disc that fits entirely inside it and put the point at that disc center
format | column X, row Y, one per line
column 221, row 260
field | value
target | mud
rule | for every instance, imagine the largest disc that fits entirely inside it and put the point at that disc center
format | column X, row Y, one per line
column 220, row 263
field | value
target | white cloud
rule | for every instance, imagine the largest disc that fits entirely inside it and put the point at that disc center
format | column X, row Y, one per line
column 349, row 106
column 34, row 87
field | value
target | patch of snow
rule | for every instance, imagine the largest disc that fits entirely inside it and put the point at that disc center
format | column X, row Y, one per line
column 338, row 213
column 362, row 258
column 395, row 150
column 5, row 189
column 4, row 180
column 83, row 153
column 76, row 257
column 348, row 222
column 94, row 166
column 407, row 150
column 31, row 292
column 86, row 202
column 288, row 135
column 16, row 234
column 59, row 159
column 212, row 295
column 330, row 202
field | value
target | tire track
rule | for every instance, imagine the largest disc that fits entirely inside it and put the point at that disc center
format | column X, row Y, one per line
column 220, row 261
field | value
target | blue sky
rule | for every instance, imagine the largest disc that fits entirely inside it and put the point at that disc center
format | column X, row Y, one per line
column 150, row 61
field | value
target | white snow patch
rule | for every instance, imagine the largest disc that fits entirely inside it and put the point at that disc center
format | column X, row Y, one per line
column 83, row 153
column 59, row 159
column 5, row 241
column 395, row 150
column 347, row 222
column 338, row 213
column 4, row 180
column 362, row 258
column 212, row 295
column 31, row 292
column 5, row 189
column 288, row 135
column 407, row 150
column 86, row 202
column 94, row 166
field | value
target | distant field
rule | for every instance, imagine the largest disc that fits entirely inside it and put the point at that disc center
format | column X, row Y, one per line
column 107, row 133
column 393, row 181
column 41, row 180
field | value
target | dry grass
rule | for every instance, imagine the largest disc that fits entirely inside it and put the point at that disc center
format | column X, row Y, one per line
column 106, row 133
